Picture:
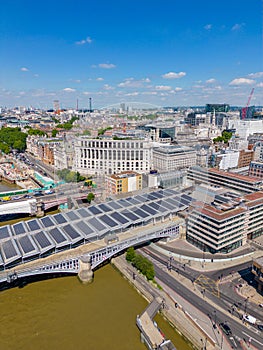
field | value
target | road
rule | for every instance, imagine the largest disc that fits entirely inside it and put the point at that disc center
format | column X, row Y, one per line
column 207, row 304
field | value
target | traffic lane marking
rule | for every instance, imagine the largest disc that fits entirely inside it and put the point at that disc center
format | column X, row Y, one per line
column 255, row 340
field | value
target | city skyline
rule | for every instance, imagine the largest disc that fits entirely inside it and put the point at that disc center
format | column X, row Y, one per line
column 156, row 52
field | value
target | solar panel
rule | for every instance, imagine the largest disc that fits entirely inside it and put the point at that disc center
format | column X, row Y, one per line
column 33, row 225
column 123, row 203
column 157, row 207
column 131, row 216
column 140, row 199
column 84, row 228
column 83, row 213
column 71, row 232
column 108, row 221
column 26, row 244
column 158, row 194
column 42, row 240
column 114, row 205
column 57, row 235
column 59, row 218
column 97, row 224
column 94, row 210
column 19, row 229
column 71, row 216
column 165, row 204
column 104, row 208
column 132, row 200
column 120, row 218
column 47, row 222
column 140, row 212
column 185, row 196
column 148, row 209
column 10, row 249
column 4, row 232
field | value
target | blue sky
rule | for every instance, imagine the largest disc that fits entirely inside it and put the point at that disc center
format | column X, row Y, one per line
column 159, row 52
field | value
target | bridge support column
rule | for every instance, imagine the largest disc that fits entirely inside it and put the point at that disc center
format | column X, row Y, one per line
column 85, row 272
column 40, row 209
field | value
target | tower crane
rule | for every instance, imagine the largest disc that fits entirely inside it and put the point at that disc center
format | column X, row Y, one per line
column 244, row 110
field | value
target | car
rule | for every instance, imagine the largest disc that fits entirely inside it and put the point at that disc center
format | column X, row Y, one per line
column 27, row 196
column 250, row 319
column 260, row 327
column 37, row 194
column 260, row 305
column 225, row 328
column 16, row 198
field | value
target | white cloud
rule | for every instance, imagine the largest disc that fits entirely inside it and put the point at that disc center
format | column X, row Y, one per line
column 108, row 87
column 256, row 75
column 132, row 83
column 210, row 81
column 135, row 93
column 176, row 90
column 208, row 26
column 237, row 26
column 260, row 85
column 86, row 93
column 173, row 75
column 69, row 90
column 88, row 40
column 99, row 79
column 106, row 65
column 163, row 87
column 242, row 81
column 24, row 69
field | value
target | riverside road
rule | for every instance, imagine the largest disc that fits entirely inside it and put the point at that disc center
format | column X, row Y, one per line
column 216, row 306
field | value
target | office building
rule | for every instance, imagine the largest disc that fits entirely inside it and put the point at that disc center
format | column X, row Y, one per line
column 124, row 182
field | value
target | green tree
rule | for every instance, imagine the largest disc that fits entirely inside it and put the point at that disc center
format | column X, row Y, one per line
column 90, row 197
column 130, row 254
column 54, row 132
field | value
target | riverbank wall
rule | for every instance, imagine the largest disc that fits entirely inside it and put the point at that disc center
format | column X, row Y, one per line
column 172, row 312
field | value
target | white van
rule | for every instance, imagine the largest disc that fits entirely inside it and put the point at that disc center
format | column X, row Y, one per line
column 249, row 319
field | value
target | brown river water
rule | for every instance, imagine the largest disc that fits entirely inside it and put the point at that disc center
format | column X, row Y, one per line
column 64, row 314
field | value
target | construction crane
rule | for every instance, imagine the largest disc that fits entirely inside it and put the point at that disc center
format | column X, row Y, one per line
column 244, row 110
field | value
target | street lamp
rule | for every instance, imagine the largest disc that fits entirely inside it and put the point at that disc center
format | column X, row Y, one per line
column 215, row 319
column 246, row 301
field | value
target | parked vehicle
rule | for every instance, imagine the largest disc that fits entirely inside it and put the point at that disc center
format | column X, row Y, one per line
column 249, row 319
column 225, row 328
column 49, row 192
column 6, row 198
column 260, row 327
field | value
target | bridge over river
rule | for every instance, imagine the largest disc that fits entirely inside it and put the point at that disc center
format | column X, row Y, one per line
column 55, row 243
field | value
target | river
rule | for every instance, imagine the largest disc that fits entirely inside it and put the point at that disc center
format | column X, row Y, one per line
column 64, row 314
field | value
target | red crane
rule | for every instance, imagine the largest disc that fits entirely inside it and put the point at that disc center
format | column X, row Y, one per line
column 244, row 110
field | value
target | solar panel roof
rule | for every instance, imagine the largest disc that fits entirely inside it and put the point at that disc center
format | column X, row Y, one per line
column 157, row 207
column 83, row 213
column 26, row 244
column 42, row 240
column 120, row 218
column 157, row 194
column 108, row 221
column 139, row 212
column 47, row 222
column 97, row 224
column 10, row 249
column 130, row 215
column 165, row 204
column 114, row 205
column 59, row 218
column 71, row 215
column 33, row 225
column 149, row 210
column 57, row 235
column 19, row 228
column 141, row 198
column 4, row 232
column 86, row 229
column 94, row 210
column 104, row 207
column 123, row 203
column 71, row 232
column 132, row 200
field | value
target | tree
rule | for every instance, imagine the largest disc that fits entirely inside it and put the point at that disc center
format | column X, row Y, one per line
column 90, row 197
column 54, row 132
column 130, row 254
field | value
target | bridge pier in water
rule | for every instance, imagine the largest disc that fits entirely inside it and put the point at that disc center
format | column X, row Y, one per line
column 85, row 273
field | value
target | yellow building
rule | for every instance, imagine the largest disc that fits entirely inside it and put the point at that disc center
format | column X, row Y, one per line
column 123, row 182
